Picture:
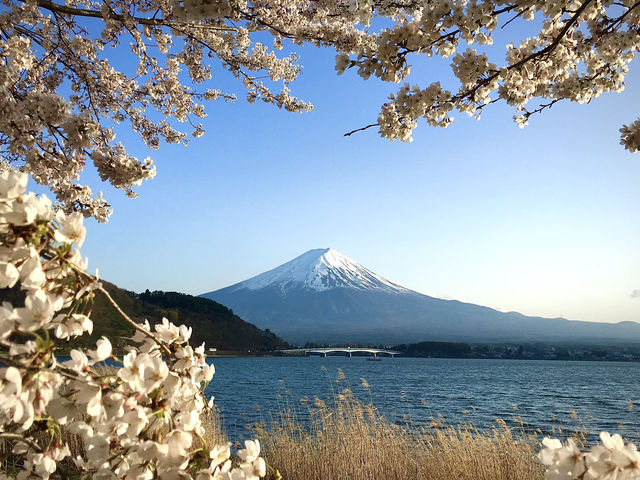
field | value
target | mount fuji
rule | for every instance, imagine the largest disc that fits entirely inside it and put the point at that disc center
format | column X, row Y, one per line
column 324, row 296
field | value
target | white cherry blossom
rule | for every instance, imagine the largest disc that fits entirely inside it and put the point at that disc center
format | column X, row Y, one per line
column 9, row 275
column 102, row 351
column 610, row 460
column 38, row 310
column 12, row 184
column 72, row 229
column 79, row 361
column 250, row 452
column 67, row 326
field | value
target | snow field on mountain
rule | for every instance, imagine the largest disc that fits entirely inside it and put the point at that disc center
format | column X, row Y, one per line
column 319, row 270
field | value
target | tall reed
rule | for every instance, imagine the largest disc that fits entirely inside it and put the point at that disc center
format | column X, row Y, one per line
column 351, row 440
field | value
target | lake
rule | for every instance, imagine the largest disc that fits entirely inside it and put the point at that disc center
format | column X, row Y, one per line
column 543, row 394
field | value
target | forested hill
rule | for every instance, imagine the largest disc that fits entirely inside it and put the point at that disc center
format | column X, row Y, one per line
column 212, row 323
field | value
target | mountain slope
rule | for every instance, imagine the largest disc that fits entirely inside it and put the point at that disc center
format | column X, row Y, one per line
column 212, row 323
column 323, row 296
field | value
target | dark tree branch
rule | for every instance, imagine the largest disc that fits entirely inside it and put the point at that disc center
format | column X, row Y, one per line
column 348, row 134
column 83, row 12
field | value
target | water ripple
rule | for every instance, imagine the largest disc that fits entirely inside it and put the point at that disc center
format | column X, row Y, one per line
column 543, row 394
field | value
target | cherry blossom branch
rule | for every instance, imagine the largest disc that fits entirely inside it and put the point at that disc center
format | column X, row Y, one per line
column 540, row 53
column 82, row 12
column 128, row 319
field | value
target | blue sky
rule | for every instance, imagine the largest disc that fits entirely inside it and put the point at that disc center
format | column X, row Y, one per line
column 543, row 220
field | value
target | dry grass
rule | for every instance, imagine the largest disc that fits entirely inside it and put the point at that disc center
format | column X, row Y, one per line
column 351, row 440
column 213, row 432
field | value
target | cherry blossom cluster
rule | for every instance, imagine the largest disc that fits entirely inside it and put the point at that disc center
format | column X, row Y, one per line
column 630, row 136
column 611, row 459
column 139, row 420
column 582, row 49
column 63, row 92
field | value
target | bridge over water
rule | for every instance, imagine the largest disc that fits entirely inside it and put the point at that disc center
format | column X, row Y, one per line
column 348, row 350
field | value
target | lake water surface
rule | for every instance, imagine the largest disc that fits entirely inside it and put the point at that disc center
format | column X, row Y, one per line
column 542, row 393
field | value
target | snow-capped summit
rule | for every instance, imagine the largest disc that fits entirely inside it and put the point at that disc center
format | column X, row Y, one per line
column 319, row 270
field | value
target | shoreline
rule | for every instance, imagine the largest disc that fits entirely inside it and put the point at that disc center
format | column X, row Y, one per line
column 235, row 354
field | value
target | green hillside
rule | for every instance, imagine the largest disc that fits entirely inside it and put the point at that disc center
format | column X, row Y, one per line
column 212, row 323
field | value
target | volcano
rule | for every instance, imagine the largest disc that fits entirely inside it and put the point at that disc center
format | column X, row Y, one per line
column 324, row 296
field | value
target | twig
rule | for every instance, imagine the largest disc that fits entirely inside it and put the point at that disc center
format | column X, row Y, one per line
column 132, row 323
column 15, row 436
column 348, row 134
